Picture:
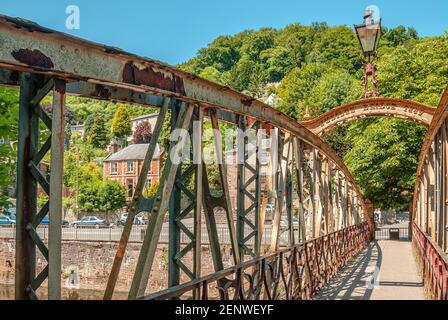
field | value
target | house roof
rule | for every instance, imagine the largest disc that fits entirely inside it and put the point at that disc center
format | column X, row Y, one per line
column 146, row 116
column 134, row 152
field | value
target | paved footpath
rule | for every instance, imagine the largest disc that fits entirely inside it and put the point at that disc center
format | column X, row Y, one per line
column 386, row 270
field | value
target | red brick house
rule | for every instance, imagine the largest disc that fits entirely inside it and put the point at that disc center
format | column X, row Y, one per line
column 125, row 166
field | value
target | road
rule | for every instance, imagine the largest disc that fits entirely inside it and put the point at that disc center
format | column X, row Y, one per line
column 137, row 233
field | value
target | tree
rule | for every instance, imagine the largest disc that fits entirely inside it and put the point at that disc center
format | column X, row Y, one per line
column 142, row 132
column 9, row 118
column 297, row 86
column 152, row 191
column 98, row 194
column 97, row 133
column 121, row 123
column 113, row 195
column 384, row 160
column 399, row 35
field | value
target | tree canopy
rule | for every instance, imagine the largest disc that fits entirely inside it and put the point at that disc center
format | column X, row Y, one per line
column 319, row 67
column 142, row 132
column 121, row 123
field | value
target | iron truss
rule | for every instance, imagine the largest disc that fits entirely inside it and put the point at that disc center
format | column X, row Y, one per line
column 430, row 205
column 320, row 219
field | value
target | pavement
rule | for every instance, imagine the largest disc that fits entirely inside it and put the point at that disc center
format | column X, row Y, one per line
column 385, row 270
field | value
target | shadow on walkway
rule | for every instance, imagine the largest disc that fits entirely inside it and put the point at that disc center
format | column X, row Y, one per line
column 385, row 270
column 356, row 280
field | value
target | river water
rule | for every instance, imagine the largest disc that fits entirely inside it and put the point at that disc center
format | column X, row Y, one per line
column 7, row 293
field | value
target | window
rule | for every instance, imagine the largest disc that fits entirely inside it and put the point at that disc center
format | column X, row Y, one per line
column 130, row 187
column 130, row 166
column 114, row 167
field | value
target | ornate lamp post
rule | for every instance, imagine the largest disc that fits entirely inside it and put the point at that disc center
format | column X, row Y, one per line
column 369, row 35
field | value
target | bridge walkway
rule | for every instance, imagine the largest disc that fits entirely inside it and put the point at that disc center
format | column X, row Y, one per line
column 385, row 270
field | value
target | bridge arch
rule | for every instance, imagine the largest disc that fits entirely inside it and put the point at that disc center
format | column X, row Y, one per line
column 373, row 107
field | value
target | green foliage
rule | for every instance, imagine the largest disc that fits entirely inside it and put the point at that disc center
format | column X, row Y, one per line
column 98, row 194
column 82, row 108
column 384, row 160
column 9, row 117
column 384, row 154
column 416, row 70
column 319, row 68
column 399, row 35
column 42, row 200
column 97, row 135
column 121, row 123
column 152, row 191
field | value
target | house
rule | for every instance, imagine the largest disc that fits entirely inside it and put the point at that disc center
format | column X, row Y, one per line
column 125, row 166
column 272, row 100
column 80, row 128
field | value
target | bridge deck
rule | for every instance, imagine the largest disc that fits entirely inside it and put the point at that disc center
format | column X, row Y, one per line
column 396, row 275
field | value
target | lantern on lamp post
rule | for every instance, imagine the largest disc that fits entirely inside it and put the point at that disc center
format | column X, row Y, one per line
column 368, row 35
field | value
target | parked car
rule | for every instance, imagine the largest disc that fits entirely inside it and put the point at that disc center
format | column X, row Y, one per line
column 11, row 211
column 284, row 223
column 124, row 217
column 45, row 221
column 5, row 220
column 91, row 221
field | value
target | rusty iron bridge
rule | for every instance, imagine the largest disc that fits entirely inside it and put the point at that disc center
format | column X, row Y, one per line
column 311, row 182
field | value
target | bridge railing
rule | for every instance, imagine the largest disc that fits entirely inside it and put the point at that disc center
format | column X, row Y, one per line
column 433, row 263
column 293, row 273
column 308, row 184
column 430, row 202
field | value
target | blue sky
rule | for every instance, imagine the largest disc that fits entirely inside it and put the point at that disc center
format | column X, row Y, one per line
column 173, row 30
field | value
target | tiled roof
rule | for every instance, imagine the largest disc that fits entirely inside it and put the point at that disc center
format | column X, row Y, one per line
column 134, row 152
column 146, row 116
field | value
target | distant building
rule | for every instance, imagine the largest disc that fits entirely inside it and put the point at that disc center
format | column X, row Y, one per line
column 272, row 100
column 125, row 166
column 79, row 128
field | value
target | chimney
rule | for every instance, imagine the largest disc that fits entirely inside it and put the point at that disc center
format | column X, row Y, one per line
column 113, row 146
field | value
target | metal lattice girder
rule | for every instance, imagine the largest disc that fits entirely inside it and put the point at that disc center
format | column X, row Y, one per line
column 284, row 153
column 71, row 58
column 108, row 73
column 136, row 201
column 32, row 90
column 224, row 200
column 248, row 197
column 159, row 208
column 179, row 210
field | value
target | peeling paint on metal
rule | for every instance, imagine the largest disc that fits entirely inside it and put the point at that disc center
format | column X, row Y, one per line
column 28, row 25
column 102, row 92
column 33, row 58
column 149, row 77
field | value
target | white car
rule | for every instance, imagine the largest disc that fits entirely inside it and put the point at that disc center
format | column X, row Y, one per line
column 90, row 221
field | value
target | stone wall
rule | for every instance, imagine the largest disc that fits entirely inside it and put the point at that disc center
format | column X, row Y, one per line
column 93, row 261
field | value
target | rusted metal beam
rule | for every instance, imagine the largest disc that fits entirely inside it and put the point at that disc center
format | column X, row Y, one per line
column 55, row 196
column 71, row 58
column 158, row 210
column 25, row 261
column 113, row 276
